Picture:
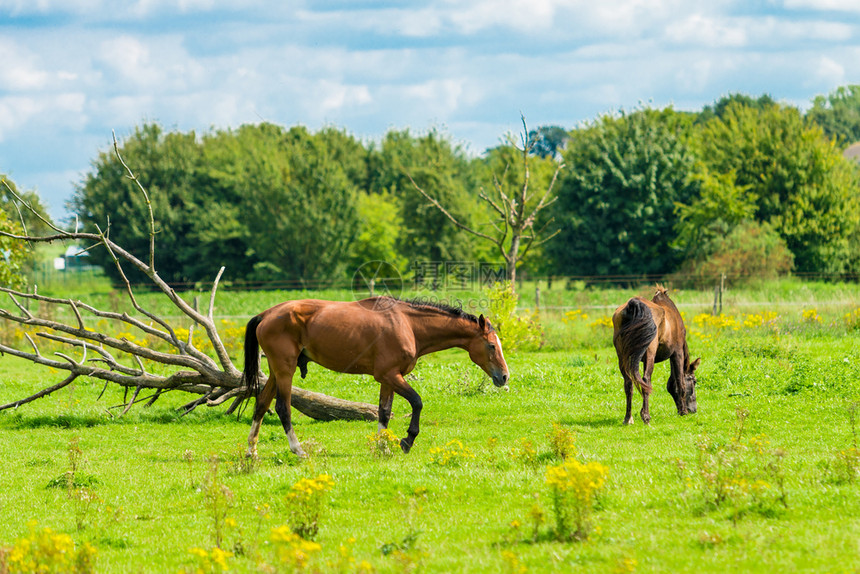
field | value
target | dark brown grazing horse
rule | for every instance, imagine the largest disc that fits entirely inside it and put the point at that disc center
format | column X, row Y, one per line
column 380, row 336
column 651, row 332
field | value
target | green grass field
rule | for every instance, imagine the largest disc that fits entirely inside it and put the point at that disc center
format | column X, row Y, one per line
column 765, row 477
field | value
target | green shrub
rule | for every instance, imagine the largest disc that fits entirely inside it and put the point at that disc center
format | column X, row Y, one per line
column 750, row 251
column 516, row 332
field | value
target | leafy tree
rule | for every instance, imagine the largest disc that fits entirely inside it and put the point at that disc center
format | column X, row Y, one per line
column 265, row 202
column 720, row 206
column 380, row 218
column 443, row 170
column 20, row 212
column 548, row 141
column 349, row 153
column 34, row 217
column 164, row 164
column 298, row 204
column 803, row 186
column 749, row 251
column 616, row 206
column 838, row 114
column 719, row 108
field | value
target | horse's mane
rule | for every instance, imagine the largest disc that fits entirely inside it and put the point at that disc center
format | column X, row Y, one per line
column 426, row 305
column 443, row 307
column 662, row 296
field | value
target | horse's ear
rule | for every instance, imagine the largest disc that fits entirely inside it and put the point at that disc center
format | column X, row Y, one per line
column 482, row 323
column 695, row 365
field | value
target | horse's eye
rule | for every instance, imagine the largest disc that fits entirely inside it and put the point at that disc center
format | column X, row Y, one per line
column 491, row 347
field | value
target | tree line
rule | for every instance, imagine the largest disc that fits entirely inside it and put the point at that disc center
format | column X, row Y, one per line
column 747, row 186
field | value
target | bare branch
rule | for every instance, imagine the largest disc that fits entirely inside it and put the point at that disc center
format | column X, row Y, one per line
column 142, row 189
column 447, row 214
column 43, row 393
column 31, row 209
column 515, row 233
column 133, row 399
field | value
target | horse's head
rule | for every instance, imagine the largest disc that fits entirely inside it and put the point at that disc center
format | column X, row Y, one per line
column 485, row 350
column 688, row 402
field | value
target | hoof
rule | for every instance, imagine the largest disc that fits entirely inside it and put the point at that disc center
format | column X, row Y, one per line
column 405, row 446
column 301, row 454
column 628, row 421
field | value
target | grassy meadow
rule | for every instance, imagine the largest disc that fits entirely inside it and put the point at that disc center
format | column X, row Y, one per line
column 538, row 478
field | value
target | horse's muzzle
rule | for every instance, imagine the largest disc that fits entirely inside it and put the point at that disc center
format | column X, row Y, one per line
column 500, row 379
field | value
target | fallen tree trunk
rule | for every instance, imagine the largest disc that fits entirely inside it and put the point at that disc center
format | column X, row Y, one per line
column 127, row 361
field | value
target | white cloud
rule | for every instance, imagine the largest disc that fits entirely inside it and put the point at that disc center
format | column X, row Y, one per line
column 336, row 96
column 105, row 10
column 525, row 15
column 835, row 5
column 708, row 32
column 16, row 112
column 829, row 72
column 20, row 70
column 473, row 65
column 154, row 64
column 20, row 114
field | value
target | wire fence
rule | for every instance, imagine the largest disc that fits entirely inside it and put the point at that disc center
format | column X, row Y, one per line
column 46, row 274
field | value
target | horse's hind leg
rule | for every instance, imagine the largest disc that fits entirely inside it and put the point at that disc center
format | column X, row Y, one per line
column 648, row 370
column 402, row 388
column 284, row 413
column 386, row 398
column 283, row 360
column 282, row 355
column 628, row 391
column 264, row 399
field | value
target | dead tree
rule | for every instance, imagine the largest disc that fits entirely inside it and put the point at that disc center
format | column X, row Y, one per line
column 124, row 362
column 515, row 213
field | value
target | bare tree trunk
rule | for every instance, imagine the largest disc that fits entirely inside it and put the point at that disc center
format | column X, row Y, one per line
column 512, row 259
column 516, row 212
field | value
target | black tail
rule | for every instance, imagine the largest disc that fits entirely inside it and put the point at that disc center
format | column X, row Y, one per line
column 252, row 356
column 636, row 333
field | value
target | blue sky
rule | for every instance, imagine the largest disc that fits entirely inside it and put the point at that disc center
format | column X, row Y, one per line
column 71, row 71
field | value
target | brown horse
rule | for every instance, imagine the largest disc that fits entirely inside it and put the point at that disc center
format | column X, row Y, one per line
column 380, row 336
column 651, row 332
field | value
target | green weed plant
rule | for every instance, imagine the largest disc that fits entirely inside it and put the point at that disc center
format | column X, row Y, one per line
column 44, row 551
column 574, row 487
column 454, row 453
column 293, row 552
column 306, row 504
column 383, row 443
column 742, row 476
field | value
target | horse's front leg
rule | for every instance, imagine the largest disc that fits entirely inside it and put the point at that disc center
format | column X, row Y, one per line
column 402, row 388
column 675, row 386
